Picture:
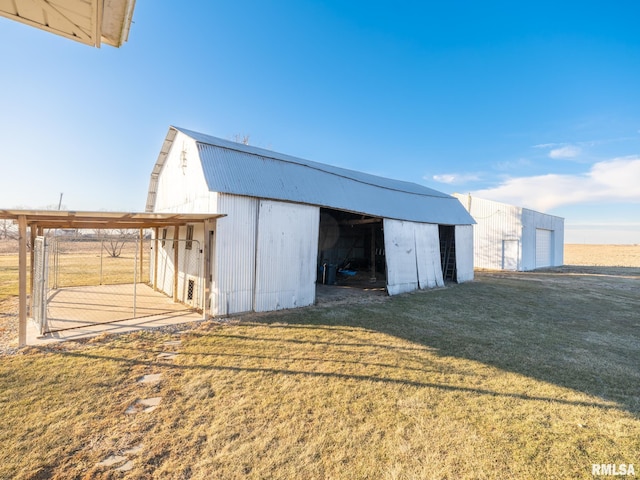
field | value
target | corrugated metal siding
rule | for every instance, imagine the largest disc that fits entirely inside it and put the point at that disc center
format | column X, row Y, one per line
column 543, row 248
column 286, row 255
column 496, row 222
column 464, row 253
column 235, row 253
column 532, row 221
column 400, row 252
column 505, row 231
column 242, row 173
column 427, row 240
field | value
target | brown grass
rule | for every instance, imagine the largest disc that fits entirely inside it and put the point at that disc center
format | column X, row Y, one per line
column 515, row 375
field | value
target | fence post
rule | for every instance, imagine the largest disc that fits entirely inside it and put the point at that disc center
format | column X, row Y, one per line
column 101, row 255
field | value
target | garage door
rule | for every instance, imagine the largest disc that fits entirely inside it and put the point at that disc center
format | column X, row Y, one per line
column 543, row 248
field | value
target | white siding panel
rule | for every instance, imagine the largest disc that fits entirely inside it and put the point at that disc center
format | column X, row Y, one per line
column 181, row 186
column 533, row 221
column 400, row 251
column 286, row 258
column 233, row 283
column 496, row 223
column 427, row 242
column 165, row 263
column 464, row 253
column 543, row 248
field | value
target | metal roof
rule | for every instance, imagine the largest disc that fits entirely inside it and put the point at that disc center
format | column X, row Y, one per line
column 239, row 169
column 91, row 22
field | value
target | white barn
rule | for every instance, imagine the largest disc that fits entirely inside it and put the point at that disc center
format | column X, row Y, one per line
column 508, row 237
column 288, row 219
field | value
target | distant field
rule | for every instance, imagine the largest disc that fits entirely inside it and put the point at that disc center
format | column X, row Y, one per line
column 602, row 255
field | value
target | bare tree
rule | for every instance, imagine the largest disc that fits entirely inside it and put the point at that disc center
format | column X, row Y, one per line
column 241, row 138
column 8, row 229
column 113, row 240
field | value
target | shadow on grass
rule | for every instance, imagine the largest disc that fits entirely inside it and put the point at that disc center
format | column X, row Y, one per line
column 207, row 366
column 565, row 328
column 569, row 327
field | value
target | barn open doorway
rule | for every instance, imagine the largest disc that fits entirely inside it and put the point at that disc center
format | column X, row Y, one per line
column 448, row 252
column 351, row 250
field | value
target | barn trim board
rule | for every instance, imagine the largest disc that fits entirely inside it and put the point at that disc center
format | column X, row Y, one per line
column 270, row 248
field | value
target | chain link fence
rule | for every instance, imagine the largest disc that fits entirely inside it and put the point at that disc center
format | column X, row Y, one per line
column 84, row 280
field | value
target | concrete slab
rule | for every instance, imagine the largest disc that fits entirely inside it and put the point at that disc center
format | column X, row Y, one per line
column 71, row 307
column 88, row 330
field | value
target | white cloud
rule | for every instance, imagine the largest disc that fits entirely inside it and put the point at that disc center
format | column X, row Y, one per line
column 455, row 178
column 513, row 164
column 568, row 151
column 610, row 181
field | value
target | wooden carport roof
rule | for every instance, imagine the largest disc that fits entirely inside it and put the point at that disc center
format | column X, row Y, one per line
column 49, row 219
column 40, row 220
column 92, row 22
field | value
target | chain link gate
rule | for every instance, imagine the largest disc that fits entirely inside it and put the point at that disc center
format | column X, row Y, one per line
column 40, row 283
column 88, row 281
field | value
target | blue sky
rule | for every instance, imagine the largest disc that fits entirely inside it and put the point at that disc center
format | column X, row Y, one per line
column 531, row 103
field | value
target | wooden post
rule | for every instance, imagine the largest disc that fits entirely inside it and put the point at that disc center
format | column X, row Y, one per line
column 32, row 269
column 155, row 259
column 206, row 269
column 141, row 257
column 372, row 275
column 32, row 230
column 22, row 280
column 176, row 236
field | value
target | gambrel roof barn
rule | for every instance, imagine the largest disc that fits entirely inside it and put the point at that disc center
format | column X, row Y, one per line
column 291, row 222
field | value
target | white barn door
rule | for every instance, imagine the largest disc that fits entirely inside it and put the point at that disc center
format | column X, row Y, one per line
column 412, row 251
column 428, row 255
column 543, row 248
column 400, row 252
column 286, row 254
column 510, row 255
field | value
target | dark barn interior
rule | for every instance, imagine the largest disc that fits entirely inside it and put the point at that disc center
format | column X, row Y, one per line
column 350, row 249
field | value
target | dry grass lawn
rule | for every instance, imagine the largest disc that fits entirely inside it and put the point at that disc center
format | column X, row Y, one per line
column 515, row 375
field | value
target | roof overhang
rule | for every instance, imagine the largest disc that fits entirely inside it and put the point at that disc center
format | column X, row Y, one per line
column 49, row 219
column 91, row 22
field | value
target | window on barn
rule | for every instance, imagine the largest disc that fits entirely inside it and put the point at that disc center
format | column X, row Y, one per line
column 189, row 241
